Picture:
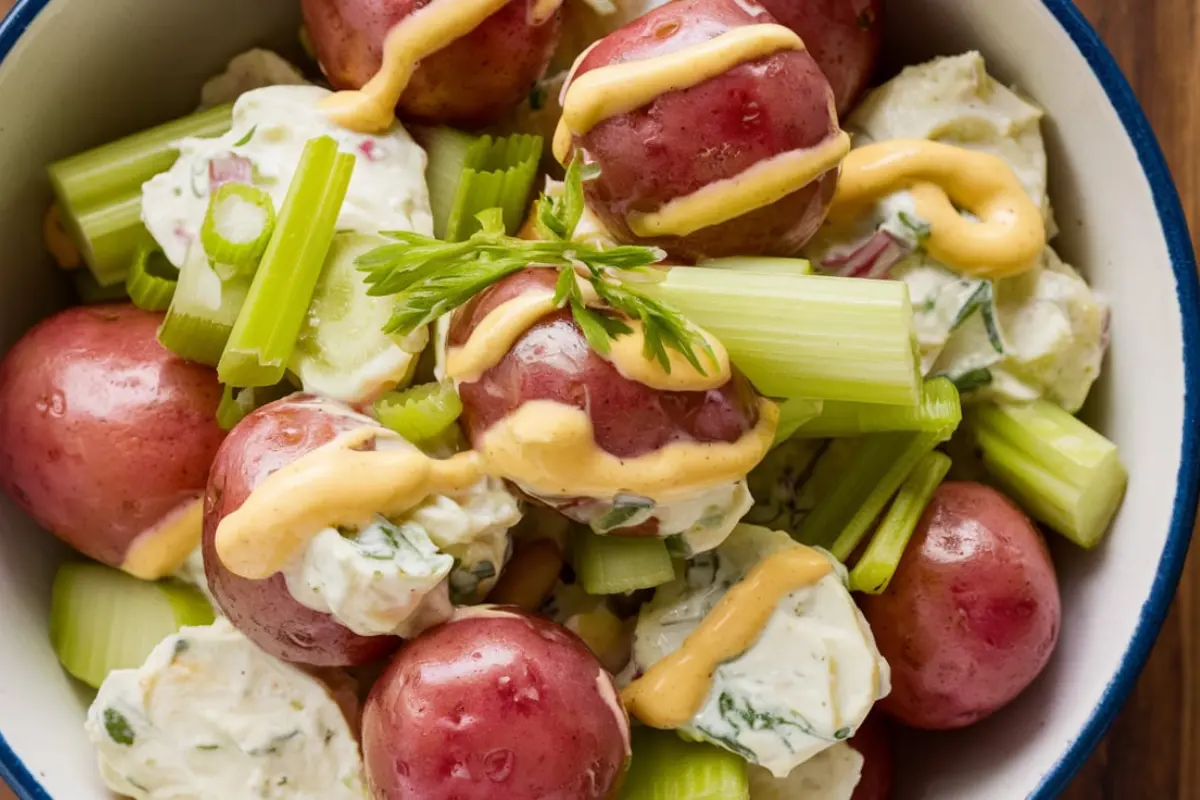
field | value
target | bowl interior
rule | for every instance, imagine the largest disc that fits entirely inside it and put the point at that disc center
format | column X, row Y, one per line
column 86, row 72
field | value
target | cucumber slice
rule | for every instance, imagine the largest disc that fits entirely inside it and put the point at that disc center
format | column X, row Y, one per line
column 102, row 619
column 342, row 352
column 665, row 767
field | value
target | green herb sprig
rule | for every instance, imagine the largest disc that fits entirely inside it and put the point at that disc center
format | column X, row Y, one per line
column 431, row 278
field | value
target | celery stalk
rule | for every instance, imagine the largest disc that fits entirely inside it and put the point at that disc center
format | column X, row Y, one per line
column 794, row 414
column 100, row 191
column 665, row 767
column 880, row 464
column 420, row 413
column 805, row 335
column 1058, row 469
column 270, row 320
column 614, row 565
column 203, row 310
column 939, row 409
column 878, row 564
column 766, row 265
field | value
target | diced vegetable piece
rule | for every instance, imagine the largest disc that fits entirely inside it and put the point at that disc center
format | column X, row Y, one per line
column 270, row 320
column 794, row 414
column 421, row 413
column 152, row 278
column 1058, row 469
column 91, row 292
column 237, row 403
column 469, row 174
column 102, row 619
column 939, row 410
column 615, row 564
column 100, row 192
column 665, row 767
column 805, row 335
column 878, row 564
column 765, row 265
column 203, row 311
column 237, row 227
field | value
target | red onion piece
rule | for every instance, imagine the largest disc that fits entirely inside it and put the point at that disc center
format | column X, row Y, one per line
column 229, row 168
column 872, row 259
column 367, row 148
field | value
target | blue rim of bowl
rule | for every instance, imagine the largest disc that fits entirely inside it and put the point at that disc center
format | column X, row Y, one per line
column 1183, row 263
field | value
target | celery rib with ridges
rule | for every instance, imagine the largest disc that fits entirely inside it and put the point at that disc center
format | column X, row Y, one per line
column 878, row 564
column 806, row 336
column 270, row 320
column 420, row 413
column 152, row 278
column 940, row 408
column 665, row 767
column 100, row 191
column 1059, row 470
column 615, row 565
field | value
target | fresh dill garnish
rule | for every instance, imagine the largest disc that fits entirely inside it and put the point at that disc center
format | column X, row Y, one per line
column 983, row 300
column 431, row 278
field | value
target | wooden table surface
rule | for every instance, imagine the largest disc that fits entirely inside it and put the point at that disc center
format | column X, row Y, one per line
column 1153, row 750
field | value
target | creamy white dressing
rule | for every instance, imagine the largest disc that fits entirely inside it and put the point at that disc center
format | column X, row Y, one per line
column 210, row 716
column 829, row 775
column 1047, row 333
column 806, row 684
column 402, row 576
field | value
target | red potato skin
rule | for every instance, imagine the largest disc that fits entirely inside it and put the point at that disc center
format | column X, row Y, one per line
column 495, row 705
column 265, row 611
column 843, row 36
column 972, row 615
column 471, row 83
column 687, row 139
column 873, row 742
column 103, row 432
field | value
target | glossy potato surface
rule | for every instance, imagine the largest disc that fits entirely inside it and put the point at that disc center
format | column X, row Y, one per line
column 688, row 139
column 972, row 614
column 103, row 432
column 843, row 36
column 496, row 703
column 471, row 82
column 552, row 361
column 267, row 440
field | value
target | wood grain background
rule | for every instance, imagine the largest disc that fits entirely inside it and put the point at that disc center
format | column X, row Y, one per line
column 1153, row 750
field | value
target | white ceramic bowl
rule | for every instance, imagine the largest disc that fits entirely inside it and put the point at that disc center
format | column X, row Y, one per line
column 77, row 73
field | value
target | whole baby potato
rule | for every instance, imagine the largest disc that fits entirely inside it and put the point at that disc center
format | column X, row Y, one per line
column 973, row 613
column 471, row 82
column 496, row 703
column 691, row 138
column 265, row 610
column 844, row 37
column 104, row 434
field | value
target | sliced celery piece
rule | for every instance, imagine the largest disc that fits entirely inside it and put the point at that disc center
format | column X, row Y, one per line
column 270, row 320
column 152, row 278
column 102, row 619
column 615, row 565
column 805, row 335
column 765, row 265
column 1058, row 469
column 203, row 310
column 794, row 414
column 421, row 413
column 665, row 767
column 237, row 403
column 469, row 174
column 100, row 191
column 878, row 564
column 940, row 409
column 237, row 227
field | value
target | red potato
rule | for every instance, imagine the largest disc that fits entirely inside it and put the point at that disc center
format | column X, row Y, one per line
column 844, row 37
column 104, row 434
column 873, row 743
column 265, row 611
column 972, row 614
column 495, row 703
column 688, row 139
column 472, row 82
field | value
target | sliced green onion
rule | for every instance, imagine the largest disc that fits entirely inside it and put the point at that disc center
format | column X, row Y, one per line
column 765, row 265
column 102, row 619
column 805, row 335
column 90, row 291
column 878, row 564
column 794, row 414
column 202, row 312
column 100, row 191
column 1059, row 470
column 422, row 413
column 665, row 767
column 881, row 462
column 469, row 174
column 615, row 564
column 236, row 403
column 269, row 322
column 152, row 278
column 238, row 226
column 939, row 410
